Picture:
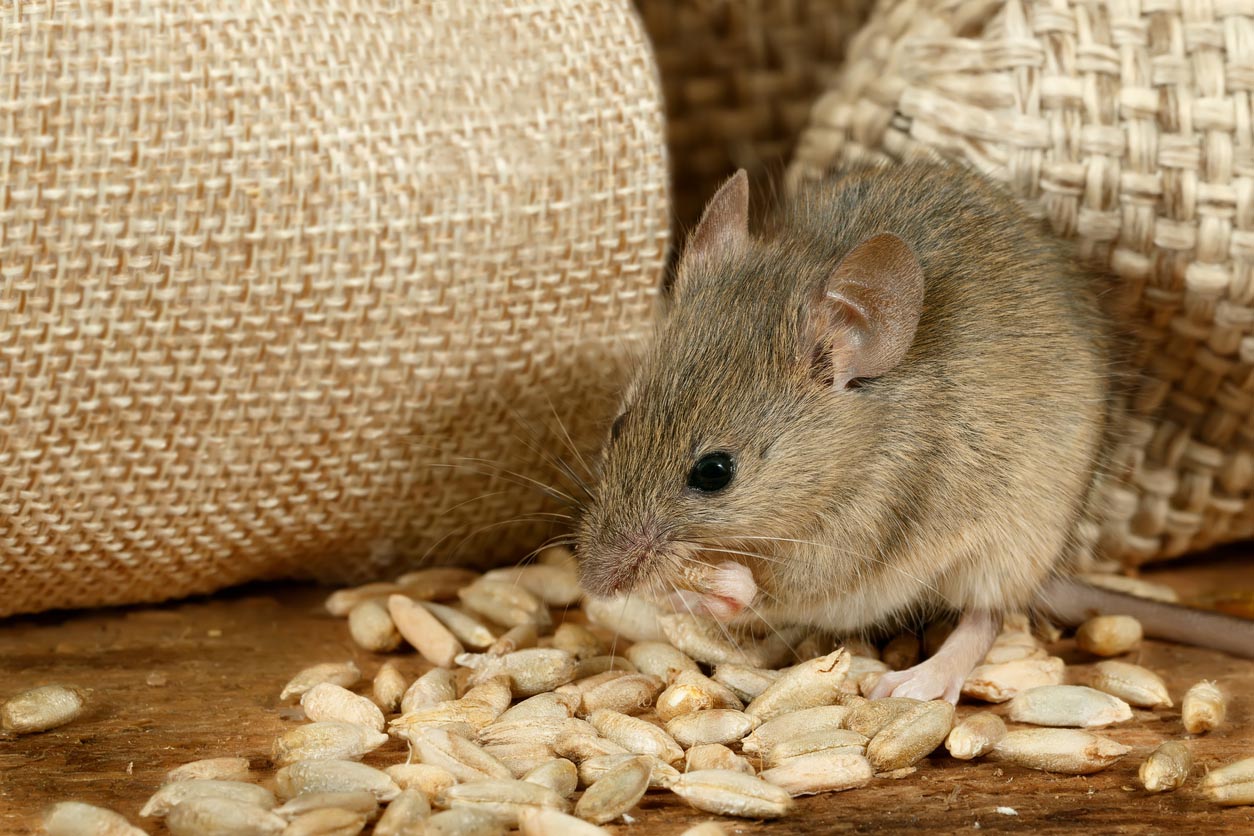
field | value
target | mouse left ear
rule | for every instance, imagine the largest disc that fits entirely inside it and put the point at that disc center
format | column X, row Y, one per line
column 724, row 226
column 869, row 310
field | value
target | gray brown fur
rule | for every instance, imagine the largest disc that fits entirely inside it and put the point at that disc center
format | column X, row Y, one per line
column 955, row 479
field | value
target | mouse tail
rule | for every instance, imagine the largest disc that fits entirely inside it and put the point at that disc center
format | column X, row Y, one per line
column 1071, row 601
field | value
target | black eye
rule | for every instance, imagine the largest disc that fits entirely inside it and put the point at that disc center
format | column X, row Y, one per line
column 617, row 426
column 712, row 472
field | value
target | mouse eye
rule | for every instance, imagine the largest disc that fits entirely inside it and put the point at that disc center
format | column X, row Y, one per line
column 712, row 472
column 617, row 426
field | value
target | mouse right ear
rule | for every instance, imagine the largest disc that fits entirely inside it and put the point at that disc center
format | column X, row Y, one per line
column 869, row 310
column 724, row 226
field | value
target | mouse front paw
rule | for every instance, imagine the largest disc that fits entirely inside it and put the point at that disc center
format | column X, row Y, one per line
column 925, row 681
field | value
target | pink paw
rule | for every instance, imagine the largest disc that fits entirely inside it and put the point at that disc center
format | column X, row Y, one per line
column 731, row 588
column 922, row 682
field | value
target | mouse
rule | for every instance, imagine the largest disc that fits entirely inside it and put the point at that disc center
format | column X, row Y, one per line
column 892, row 399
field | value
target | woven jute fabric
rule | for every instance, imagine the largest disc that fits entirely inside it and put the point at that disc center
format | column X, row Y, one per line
column 288, row 285
column 1128, row 125
column 740, row 77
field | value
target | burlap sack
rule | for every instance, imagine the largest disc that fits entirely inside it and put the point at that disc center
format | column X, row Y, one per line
column 275, row 273
column 1128, row 125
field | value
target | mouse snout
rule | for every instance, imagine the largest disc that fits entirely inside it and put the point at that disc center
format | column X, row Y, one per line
column 616, row 563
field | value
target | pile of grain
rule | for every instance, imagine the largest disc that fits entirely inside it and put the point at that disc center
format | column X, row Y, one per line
column 536, row 713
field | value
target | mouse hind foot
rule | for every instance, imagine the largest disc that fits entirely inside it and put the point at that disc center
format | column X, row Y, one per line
column 942, row 675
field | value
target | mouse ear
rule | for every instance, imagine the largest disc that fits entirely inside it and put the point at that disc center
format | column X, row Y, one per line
column 723, row 226
column 869, row 310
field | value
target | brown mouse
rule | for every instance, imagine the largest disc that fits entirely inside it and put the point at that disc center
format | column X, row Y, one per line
column 893, row 400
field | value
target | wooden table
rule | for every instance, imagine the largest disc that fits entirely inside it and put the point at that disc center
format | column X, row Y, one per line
column 200, row 679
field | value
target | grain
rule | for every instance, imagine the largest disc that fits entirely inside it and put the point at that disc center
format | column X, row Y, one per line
column 541, row 706
column 807, row 743
column 703, row 642
column 659, row 659
column 1133, row 684
column 333, row 776
column 911, row 737
column 1069, row 751
column 1132, row 586
column 371, row 626
column 504, row 799
column 464, row 821
column 171, row 795
column 388, row 687
column 1203, row 708
column 222, row 817
column 871, row 716
column 631, row 617
column 1075, row 706
column 1167, row 767
column 558, row 774
column 806, row 685
column 746, row 682
column 424, row 632
column 343, row 601
column 715, row 756
column 505, row 603
column 329, row 821
column 601, row 664
column 592, row 769
column 515, row 638
column 975, row 736
column 433, row 687
column 40, row 709
column 222, row 769
column 578, row 641
column 404, row 815
column 436, row 583
column 327, row 702
column 359, row 801
column 1232, row 785
column 344, row 674
column 1001, row 682
column 830, row 770
column 554, row 585
column 327, row 740
column 691, row 690
column 1109, row 635
column 428, row 779
column 816, row 720
column 636, row 735
column 580, row 746
column 530, row 672
column 616, row 792
column 732, row 794
column 718, row 725
column 630, row 694
column 71, row 818
column 555, row 823
column 467, row 629
column 465, row 760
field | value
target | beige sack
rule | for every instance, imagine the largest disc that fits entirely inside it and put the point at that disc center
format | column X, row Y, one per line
column 1129, row 126
column 267, row 267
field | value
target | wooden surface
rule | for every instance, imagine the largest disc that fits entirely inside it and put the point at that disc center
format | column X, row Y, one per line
column 175, row 683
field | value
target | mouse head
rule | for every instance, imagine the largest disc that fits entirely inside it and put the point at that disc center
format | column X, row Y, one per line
column 753, row 410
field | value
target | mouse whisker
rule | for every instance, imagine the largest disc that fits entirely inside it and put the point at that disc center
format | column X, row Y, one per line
column 535, row 517
column 772, row 628
column 707, row 548
column 517, row 479
column 570, row 443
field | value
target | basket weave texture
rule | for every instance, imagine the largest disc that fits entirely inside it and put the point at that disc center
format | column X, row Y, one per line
column 272, row 273
column 740, row 77
column 1128, row 124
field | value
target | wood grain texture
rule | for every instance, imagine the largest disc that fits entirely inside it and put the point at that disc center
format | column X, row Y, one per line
column 175, row 683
